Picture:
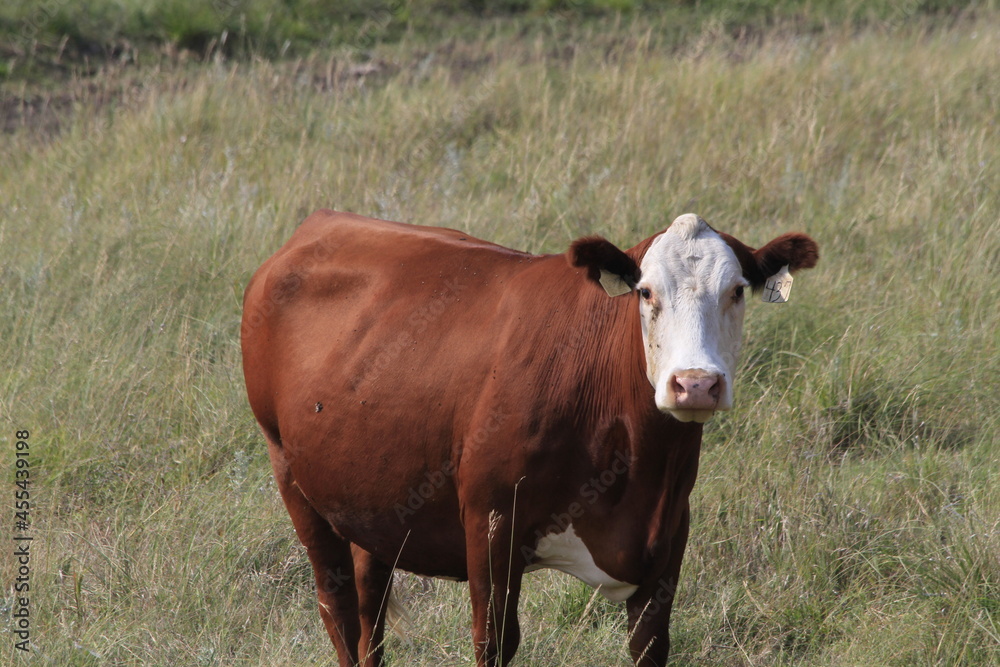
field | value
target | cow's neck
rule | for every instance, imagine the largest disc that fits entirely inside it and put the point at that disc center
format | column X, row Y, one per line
column 662, row 453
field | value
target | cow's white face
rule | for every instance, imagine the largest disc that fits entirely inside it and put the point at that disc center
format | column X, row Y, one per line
column 691, row 306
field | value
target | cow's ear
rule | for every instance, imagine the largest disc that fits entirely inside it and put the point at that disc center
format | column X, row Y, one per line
column 616, row 272
column 795, row 250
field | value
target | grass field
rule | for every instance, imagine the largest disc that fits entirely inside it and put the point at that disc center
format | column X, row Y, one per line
column 847, row 510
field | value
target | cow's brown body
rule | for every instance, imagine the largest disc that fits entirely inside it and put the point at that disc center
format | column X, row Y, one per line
column 437, row 403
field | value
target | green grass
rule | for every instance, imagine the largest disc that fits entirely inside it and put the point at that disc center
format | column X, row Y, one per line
column 51, row 39
column 847, row 511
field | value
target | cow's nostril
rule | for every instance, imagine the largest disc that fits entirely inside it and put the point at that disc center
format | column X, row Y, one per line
column 715, row 391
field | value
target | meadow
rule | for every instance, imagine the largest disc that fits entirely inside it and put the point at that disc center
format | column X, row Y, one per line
column 847, row 510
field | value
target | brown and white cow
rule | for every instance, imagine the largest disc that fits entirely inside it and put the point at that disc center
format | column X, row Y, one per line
column 450, row 407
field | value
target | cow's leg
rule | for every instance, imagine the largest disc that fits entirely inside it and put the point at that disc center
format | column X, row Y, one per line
column 374, row 582
column 495, row 571
column 649, row 607
column 331, row 559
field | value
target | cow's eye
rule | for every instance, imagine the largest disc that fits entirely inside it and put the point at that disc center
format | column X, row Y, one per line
column 644, row 293
column 738, row 294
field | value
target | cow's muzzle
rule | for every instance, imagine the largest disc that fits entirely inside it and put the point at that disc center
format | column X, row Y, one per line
column 694, row 395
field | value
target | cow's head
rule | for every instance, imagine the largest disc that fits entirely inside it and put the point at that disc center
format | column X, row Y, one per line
column 690, row 286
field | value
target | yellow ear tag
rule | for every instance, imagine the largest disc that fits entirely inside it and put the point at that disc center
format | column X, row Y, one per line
column 614, row 284
column 777, row 287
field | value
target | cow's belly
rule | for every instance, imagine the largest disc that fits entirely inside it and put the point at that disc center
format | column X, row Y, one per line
column 431, row 546
column 567, row 553
column 404, row 521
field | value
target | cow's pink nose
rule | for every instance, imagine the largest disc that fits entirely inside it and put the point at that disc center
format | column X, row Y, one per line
column 696, row 391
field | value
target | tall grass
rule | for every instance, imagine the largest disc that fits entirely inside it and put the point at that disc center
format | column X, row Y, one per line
column 847, row 510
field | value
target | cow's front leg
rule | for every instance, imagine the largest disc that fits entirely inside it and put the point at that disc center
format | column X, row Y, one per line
column 495, row 572
column 649, row 607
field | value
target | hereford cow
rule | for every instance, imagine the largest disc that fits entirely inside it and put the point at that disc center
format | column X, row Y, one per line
column 457, row 409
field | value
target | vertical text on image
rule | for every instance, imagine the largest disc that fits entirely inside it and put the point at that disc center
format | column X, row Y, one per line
column 21, row 615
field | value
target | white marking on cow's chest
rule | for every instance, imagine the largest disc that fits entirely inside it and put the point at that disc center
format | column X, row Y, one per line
column 567, row 553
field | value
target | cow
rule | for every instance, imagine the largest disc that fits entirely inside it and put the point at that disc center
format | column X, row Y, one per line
column 453, row 408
